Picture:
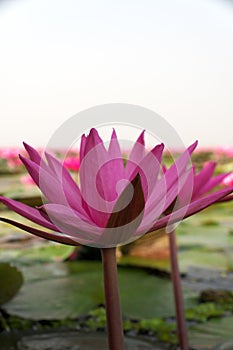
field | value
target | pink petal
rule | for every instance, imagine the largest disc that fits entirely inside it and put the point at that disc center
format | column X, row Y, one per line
column 213, row 182
column 110, row 173
column 96, row 179
column 28, row 212
column 167, row 188
column 34, row 155
column 60, row 238
column 136, row 155
column 193, row 208
column 68, row 185
column 225, row 199
column 148, row 169
column 114, row 152
column 82, row 148
column 126, row 216
column 186, row 193
column 152, row 213
column 68, row 221
column 202, row 178
column 52, row 188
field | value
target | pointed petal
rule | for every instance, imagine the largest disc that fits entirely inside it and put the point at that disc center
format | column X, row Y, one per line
column 193, row 208
column 186, row 194
column 202, row 178
column 52, row 188
column 68, row 185
column 93, row 140
column 51, row 236
column 28, row 212
column 69, row 222
column 136, row 155
column 32, row 168
column 82, row 147
column 167, row 188
column 148, row 169
column 225, row 199
column 151, row 214
column 114, row 152
column 95, row 179
column 34, row 155
column 126, row 216
column 213, row 182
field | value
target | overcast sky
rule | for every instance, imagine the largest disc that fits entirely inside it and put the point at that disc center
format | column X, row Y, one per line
column 172, row 56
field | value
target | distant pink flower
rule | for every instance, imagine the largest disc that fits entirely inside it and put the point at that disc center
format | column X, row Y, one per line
column 14, row 163
column 228, row 181
column 113, row 203
column 27, row 180
column 9, row 152
column 72, row 163
column 225, row 151
column 11, row 155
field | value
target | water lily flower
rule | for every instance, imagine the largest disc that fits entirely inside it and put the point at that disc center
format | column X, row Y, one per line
column 203, row 183
column 72, row 163
column 226, row 151
column 10, row 154
column 27, row 180
column 80, row 214
column 114, row 204
column 228, row 180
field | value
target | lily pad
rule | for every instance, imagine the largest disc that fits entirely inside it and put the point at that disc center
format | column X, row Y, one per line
column 211, row 333
column 69, row 341
column 11, row 281
column 79, row 288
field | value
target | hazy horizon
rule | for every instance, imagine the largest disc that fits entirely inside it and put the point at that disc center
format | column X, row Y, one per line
column 173, row 57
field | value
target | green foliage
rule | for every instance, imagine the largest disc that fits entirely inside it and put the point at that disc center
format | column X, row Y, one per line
column 97, row 319
column 204, row 311
column 11, row 281
column 15, row 322
column 219, row 296
column 210, row 222
column 79, row 288
column 151, row 325
column 212, row 333
column 163, row 330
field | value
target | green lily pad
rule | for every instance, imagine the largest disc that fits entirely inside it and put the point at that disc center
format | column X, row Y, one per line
column 211, row 333
column 70, row 290
column 11, row 281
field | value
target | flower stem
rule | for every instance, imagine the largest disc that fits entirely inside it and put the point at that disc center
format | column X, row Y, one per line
column 112, row 299
column 177, row 289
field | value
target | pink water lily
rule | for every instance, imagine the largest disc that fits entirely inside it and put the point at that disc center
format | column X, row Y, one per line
column 228, row 180
column 202, row 183
column 113, row 204
column 27, row 180
column 72, row 163
column 81, row 214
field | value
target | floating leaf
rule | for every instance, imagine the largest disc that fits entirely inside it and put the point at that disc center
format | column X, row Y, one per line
column 78, row 288
column 212, row 333
column 11, row 281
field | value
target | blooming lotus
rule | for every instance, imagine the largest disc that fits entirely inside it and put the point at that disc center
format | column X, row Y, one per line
column 10, row 154
column 113, row 204
column 202, row 182
column 228, row 180
column 72, row 163
column 226, row 151
column 27, row 180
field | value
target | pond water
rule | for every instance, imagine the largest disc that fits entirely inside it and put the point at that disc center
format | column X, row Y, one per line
column 68, row 341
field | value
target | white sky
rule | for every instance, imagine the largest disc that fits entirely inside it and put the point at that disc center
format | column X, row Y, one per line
column 172, row 56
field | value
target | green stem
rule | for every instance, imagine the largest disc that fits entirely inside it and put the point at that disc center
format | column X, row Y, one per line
column 112, row 300
column 178, row 296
